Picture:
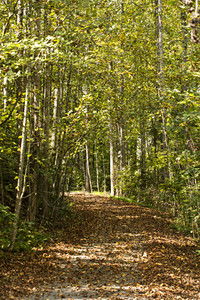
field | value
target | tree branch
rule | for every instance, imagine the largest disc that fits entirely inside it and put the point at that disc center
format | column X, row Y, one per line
column 10, row 114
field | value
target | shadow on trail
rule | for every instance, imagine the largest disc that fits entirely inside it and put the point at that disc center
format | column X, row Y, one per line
column 111, row 250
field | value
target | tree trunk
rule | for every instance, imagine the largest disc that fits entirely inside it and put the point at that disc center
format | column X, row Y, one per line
column 185, row 46
column 5, row 82
column 160, row 45
column 46, row 117
column 142, row 157
column 194, row 24
column 1, row 186
column 104, row 174
column 46, row 125
column 161, row 93
column 97, row 167
column 19, row 18
column 122, row 156
column 84, row 171
column 33, row 199
column 112, row 191
column 88, row 176
column 55, row 109
column 21, row 182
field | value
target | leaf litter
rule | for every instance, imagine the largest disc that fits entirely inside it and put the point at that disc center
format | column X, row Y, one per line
column 110, row 250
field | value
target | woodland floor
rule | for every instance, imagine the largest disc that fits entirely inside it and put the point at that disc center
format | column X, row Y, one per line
column 111, row 250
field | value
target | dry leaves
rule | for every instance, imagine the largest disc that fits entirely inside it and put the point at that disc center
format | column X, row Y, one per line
column 111, row 250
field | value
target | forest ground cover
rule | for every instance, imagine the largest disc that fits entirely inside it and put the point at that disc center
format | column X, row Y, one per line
column 110, row 249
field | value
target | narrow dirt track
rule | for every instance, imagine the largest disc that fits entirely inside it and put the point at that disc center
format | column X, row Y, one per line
column 114, row 250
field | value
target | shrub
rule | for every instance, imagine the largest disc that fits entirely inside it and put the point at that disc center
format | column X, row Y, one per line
column 28, row 236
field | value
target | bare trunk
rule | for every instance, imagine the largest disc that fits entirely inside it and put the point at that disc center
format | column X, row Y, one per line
column 34, row 168
column 19, row 18
column 46, row 119
column 185, row 46
column 112, row 191
column 97, row 167
column 195, row 24
column 104, row 175
column 1, row 185
column 161, row 84
column 84, row 171
column 122, row 156
column 122, row 148
column 21, row 182
column 122, row 119
column 88, row 177
column 143, row 157
column 32, row 209
column 46, row 116
column 5, row 82
column 55, row 108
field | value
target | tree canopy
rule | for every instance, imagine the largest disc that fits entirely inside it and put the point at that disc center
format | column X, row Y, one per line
column 99, row 95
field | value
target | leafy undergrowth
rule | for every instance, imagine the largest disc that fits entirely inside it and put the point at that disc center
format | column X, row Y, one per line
column 110, row 250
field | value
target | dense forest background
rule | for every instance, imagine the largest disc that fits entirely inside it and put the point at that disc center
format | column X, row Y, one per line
column 98, row 95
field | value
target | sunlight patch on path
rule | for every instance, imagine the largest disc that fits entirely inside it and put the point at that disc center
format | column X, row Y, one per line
column 88, row 292
column 106, row 271
column 104, row 264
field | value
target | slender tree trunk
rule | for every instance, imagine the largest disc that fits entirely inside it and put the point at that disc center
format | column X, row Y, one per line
column 55, row 110
column 46, row 115
column 122, row 148
column 185, row 46
column 32, row 209
column 122, row 119
column 19, row 18
column 97, row 166
column 155, row 142
column 5, row 82
column 112, row 191
column 161, row 87
column 122, row 155
column 104, row 174
column 84, row 171
column 46, row 120
column 33, row 199
column 1, row 185
column 88, row 176
column 160, row 44
column 194, row 24
column 21, row 182
column 142, row 157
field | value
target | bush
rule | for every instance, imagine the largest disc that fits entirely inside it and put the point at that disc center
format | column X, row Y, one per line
column 6, row 226
column 28, row 236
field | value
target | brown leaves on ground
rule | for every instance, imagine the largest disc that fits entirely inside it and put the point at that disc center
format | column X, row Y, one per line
column 110, row 250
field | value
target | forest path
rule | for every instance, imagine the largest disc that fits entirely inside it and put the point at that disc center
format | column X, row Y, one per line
column 112, row 250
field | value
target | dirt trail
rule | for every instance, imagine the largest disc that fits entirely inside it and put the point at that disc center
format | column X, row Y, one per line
column 112, row 250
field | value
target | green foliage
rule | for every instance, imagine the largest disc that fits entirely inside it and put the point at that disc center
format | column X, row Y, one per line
column 6, row 226
column 89, row 71
column 28, row 235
